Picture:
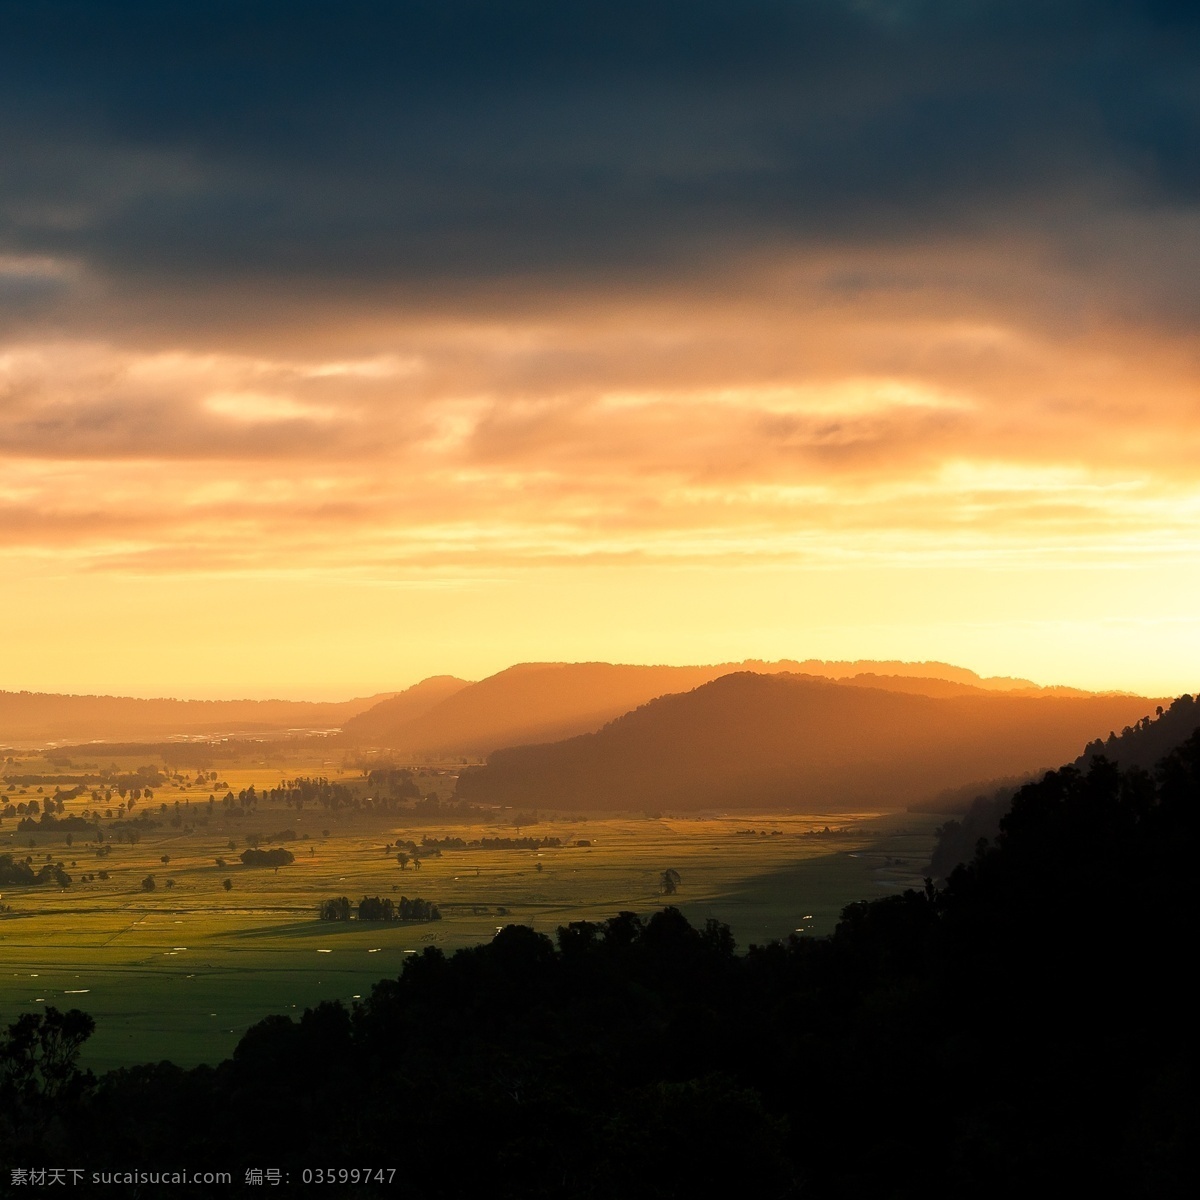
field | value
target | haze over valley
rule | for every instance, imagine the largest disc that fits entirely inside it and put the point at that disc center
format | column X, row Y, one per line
column 807, row 736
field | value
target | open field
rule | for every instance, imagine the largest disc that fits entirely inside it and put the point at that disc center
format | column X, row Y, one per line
column 180, row 972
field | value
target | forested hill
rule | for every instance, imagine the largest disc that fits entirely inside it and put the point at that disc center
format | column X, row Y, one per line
column 1141, row 745
column 1149, row 740
column 795, row 741
column 543, row 702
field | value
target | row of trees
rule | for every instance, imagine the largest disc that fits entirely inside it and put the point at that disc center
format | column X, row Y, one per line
column 395, row 781
column 380, row 908
column 50, row 804
column 490, row 843
column 15, row 872
column 52, row 825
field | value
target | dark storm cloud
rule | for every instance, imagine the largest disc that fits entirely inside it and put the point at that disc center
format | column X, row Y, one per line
column 406, row 142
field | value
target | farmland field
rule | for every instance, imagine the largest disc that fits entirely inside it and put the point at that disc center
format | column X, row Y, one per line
column 182, row 970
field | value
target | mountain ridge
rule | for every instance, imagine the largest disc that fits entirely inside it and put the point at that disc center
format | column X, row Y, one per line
column 795, row 741
column 53, row 716
column 535, row 702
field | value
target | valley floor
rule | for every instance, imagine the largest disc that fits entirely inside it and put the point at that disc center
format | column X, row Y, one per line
column 181, row 972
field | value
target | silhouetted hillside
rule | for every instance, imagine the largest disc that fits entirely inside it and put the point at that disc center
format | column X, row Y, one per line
column 45, row 716
column 542, row 702
column 1149, row 740
column 1141, row 745
column 1027, row 1029
column 750, row 740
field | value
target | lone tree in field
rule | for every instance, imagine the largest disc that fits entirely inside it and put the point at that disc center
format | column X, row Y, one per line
column 267, row 858
column 670, row 881
column 148, row 884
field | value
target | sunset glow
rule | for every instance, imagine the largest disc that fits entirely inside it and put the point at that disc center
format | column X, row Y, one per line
column 403, row 419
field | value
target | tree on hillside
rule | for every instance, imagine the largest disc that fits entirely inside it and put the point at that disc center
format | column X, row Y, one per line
column 670, row 881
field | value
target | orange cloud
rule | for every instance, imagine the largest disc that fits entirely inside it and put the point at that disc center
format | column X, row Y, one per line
column 879, row 411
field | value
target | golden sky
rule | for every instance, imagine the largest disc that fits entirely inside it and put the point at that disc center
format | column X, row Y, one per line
column 263, row 452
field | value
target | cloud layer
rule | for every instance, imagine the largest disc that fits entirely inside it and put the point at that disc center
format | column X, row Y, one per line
column 444, row 291
column 418, row 144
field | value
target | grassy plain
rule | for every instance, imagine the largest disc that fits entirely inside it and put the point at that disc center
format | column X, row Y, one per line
column 181, row 972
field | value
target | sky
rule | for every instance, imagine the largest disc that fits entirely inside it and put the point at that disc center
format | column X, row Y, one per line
column 346, row 344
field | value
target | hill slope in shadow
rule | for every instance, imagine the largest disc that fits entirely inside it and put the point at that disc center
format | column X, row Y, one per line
column 543, row 702
column 1142, row 746
column 529, row 702
column 748, row 740
column 375, row 723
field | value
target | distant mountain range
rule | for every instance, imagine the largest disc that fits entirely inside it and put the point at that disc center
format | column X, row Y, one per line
column 530, row 702
column 544, row 702
column 749, row 740
column 46, row 717
column 604, row 735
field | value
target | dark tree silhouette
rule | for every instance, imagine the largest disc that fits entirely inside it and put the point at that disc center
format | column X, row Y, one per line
column 38, row 1058
column 277, row 857
column 337, row 909
column 1042, row 998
